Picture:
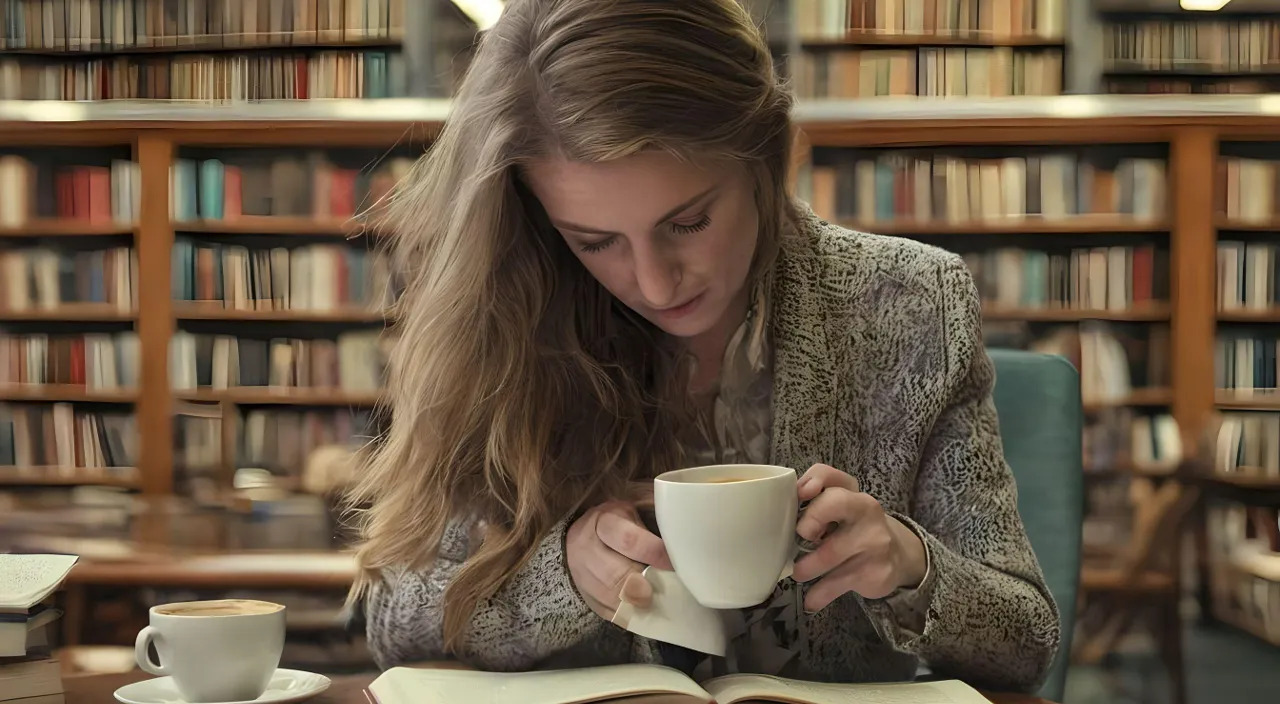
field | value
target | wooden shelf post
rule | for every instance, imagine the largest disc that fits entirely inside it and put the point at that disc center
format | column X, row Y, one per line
column 155, row 314
column 1193, row 244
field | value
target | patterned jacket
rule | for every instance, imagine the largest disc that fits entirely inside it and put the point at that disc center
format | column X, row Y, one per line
column 879, row 369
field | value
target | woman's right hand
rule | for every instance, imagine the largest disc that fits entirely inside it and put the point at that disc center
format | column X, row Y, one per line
column 607, row 548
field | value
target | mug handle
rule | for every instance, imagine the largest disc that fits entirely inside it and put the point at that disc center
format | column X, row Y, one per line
column 142, row 653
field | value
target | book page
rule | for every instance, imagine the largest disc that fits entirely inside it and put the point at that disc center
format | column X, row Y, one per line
column 25, row 580
column 615, row 683
column 741, row 689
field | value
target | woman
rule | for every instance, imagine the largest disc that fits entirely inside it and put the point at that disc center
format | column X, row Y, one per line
column 607, row 280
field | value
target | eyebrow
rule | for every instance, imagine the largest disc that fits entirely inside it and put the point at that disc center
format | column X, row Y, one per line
column 670, row 214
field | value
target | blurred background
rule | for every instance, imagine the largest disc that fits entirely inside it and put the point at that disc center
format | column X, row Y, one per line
column 192, row 328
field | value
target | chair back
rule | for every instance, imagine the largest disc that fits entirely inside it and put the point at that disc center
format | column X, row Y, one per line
column 1037, row 398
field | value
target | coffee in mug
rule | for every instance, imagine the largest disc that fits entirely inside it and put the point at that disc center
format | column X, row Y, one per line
column 215, row 651
column 730, row 530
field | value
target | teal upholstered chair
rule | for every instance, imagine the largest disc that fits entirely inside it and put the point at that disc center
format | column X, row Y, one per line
column 1037, row 397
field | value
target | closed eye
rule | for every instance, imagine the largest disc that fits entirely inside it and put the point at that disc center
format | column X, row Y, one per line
column 597, row 246
column 698, row 226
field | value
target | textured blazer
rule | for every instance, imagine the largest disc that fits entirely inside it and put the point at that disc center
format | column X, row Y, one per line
column 879, row 369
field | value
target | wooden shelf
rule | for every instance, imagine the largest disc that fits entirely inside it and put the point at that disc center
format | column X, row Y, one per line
column 203, row 44
column 1221, row 222
column 280, row 396
column 64, row 393
column 66, row 228
column 1269, row 315
column 265, row 225
column 1077, row 225
column 1247, row 478
column 1247, row 401
column 71, row 312
column 188, row 311
column 861, row 38
column 1149, row 397
column 1149, row 313
column 1189, row 73
column 1125, row 468
column 126, row 477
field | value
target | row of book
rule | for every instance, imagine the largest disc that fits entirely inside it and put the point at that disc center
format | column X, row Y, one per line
column 354, row 362
column 60, row 435
column 899, row 186
column 311, row 277
column 216, row 77
column 1112, row 361
column 114, row 25
column 276, row 440
column 950, row 72
column 992, row 19
column 1244, row 362
column 1247, row 190
column 1247, row 276
column 42, row 188
column 281, row 441
column 303, row 185
column 95, row 361
column 1125, row 438
column 1248, row 444
column 1192, row 45
column 43, row 278
column 1083, row 278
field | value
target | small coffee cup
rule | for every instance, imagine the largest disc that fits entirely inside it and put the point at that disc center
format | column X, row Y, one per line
column 730, row 530
column 215, row 651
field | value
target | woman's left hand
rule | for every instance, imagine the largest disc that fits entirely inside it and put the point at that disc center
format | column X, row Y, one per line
column 862, row 549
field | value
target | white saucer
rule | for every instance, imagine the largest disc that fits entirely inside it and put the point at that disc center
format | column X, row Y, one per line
column 286, row 686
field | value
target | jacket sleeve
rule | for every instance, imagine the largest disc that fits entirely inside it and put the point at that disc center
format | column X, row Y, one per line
column 535, row 620
column 983, row 611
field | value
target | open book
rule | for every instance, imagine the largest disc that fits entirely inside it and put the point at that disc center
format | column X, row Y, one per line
column 27, row 580
column 645, row 684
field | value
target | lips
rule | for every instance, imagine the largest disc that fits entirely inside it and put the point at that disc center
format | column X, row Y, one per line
column 682, row 309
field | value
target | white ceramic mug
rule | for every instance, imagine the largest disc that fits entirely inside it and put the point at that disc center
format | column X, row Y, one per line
column 215, row 651
column 730, row 530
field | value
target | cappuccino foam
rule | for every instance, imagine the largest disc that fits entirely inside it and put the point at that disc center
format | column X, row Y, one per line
column 222, row 607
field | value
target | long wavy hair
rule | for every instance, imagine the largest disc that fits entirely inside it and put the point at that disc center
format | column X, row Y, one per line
column 519, row 391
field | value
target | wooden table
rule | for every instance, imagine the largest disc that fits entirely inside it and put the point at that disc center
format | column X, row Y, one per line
column 97, row 689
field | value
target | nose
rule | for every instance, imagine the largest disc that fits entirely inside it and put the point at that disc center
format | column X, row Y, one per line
column 657, row 275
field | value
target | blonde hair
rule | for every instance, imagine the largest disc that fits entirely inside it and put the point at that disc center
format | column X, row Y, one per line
column 520, row 391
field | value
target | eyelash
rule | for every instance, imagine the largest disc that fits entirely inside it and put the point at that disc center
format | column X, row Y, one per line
column 698, row 226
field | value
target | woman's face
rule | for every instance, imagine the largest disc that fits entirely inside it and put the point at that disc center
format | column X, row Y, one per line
column 670, row 239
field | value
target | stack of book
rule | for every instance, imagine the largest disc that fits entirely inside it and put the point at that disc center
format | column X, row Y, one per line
column 29, row 674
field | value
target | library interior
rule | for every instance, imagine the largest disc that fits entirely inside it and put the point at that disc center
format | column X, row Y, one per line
column 195, row 303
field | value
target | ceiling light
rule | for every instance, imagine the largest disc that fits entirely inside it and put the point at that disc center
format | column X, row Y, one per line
column 485, row 13
column 1204, row 5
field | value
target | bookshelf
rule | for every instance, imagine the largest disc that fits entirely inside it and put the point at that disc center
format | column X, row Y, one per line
column 1156, row 47
column 203, row 49
column 878, row 48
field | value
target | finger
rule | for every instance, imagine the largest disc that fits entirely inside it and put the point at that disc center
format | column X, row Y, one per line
column 833, row 506
column 630, row 539
column 822, row 476
column 637, row 591
column 851, row 542
column 607, row 575
column 870, row 578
